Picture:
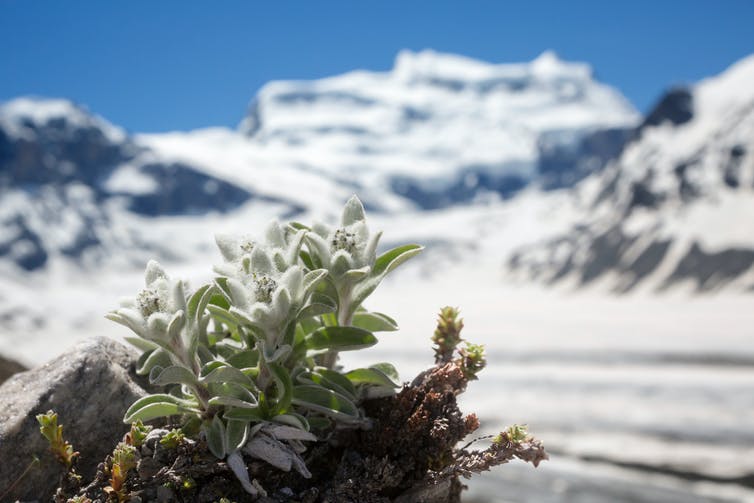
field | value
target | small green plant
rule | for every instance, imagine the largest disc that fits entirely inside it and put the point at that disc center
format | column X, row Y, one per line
column 173, row 438
column 138, row 433
column 123, row 460
column 53, row 432
column 252, row 356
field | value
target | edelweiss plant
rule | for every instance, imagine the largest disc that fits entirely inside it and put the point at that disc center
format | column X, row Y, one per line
column 250, row 359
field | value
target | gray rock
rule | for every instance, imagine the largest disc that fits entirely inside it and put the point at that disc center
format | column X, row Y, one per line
column 90, row 387
column 8, row 368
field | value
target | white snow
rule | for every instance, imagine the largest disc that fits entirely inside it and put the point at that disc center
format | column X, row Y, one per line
column 16, row 113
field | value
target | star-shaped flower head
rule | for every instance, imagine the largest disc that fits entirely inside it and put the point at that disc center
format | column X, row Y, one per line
column 269, row 299
column 282, row 244
column 349, row 253
column 349, row 250
column 157, row 313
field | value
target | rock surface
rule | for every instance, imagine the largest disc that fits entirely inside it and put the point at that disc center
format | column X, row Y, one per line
column 90, row 387
column 8, row 368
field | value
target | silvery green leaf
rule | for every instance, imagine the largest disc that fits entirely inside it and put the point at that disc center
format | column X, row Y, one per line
column 270, row 450
column 360, row 232
column 236, row 433
column 275, row 235
column 309, row 260
column 278, row 258
column 153, row 272
column 292, row 419
column 234, row 390
column 238, row 293
column 198, row 302
column 315, row 309
column 293, row 281
column 260, row 262
column 222, row 288
column 395, row 257
column 231, row 401
column 260, row 314
column 129, row 318
column 318, row 247
column 357, row 274
column 300, row 466
column 210, row 366
column 154, row 406
column 278, row 354
column 284, row 432
column 244, row 414
column 150, row 359
column 227, row 373
column 216, row 440
column 335, row 381
column 281, row 302
column 294, row 247
column 239, row 469
column 374, row 322
column 340, row 338
column 228, row 269
column 142, row 344
column 298, row 226
column 389, row 370
column 321, row 229
column 175, row 325
column 325, row 401
column 244, row 359
column 341, row 263
column 329, row 379
column 370, row 251
column 157, row 325
column 254, row 319
column 174, row 374
column 283, row 387
column 178, row 296
column 353, row 212
column 312, row 279
column 228, row 246
column 371, row 376
column 222, row 315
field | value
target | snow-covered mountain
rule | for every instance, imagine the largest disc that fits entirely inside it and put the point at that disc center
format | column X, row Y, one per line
column 439, row 138
column 69, row 181
column 440, row 129
column 675, row 207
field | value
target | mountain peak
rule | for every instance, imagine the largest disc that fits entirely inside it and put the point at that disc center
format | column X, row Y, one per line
column 18, row 116
column 429, row 64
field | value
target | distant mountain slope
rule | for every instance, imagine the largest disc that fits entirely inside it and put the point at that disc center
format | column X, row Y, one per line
column 675, row 208
column 69, row 181
column 439, row 129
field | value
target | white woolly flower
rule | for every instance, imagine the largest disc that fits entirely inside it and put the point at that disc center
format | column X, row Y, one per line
column 282, row 245
column 349, row 249
column 267, row 298
column 156, row 309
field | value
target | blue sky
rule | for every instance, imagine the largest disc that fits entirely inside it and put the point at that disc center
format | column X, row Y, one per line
column 163, row 65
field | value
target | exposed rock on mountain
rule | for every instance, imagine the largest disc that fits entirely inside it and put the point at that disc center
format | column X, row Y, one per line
column 669, row 210
column 65, row 176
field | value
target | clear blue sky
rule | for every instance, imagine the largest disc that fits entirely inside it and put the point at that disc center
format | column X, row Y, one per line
column 159, row 65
